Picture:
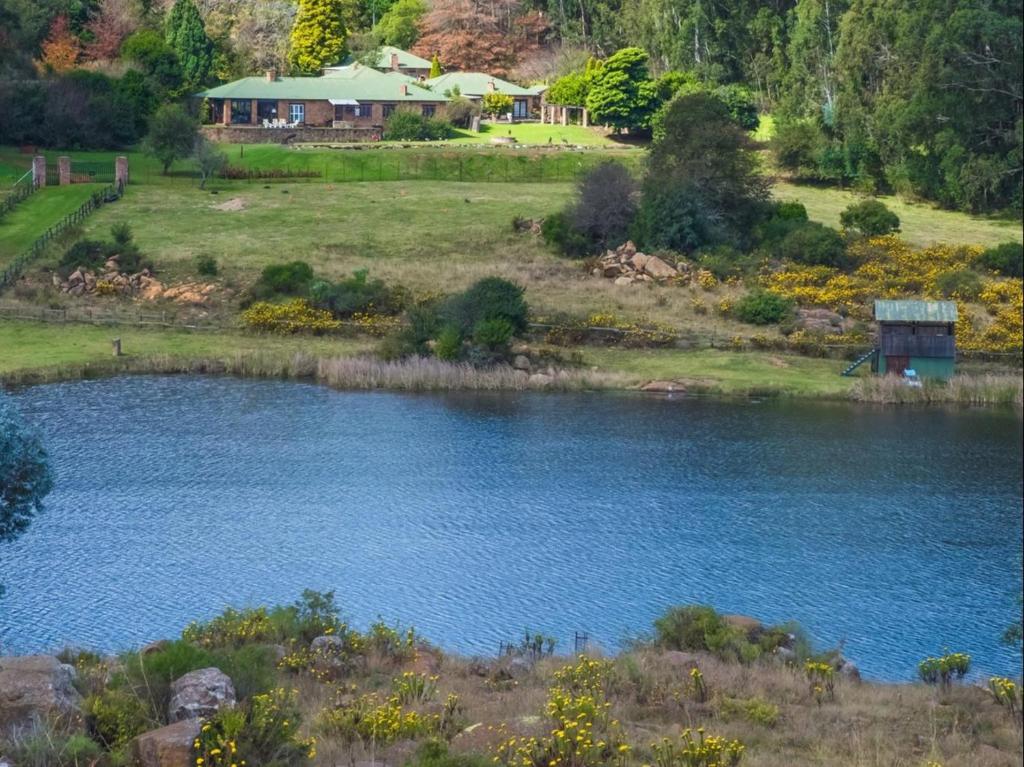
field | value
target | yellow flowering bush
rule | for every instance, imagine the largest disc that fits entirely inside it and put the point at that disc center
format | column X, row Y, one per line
column 376, row 324
column 296, row 316
column 231, row 628
column 696, row 749
column 822, row 680
column 945, row 668
column 586, row 675
column 411, row 687
column 264, row 729
column 1007, row 694
column 370, row 719
column 706, row 279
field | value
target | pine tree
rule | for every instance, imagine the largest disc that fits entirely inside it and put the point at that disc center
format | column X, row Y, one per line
column 435, row 67
column 186, row 36
column 318, row 36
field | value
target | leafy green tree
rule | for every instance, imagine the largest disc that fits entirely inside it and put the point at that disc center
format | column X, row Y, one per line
column 186, row 36
column 703, row 184
column 318, row 35
column 400, row 25
column 158, row 62
column 172, row 135
column 491, row 298
column 622, row 95
column 870, row 218
column 435, row 67
column 497, row 103
column 209, row 160
column 25, row 477
column 810, row 85
column 570, row 90
column 1007, row 259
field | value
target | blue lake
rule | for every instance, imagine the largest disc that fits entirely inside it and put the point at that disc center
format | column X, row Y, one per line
column 895, row 531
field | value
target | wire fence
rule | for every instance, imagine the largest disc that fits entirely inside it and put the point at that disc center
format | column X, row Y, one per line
column 21, row 189
column 17, row 266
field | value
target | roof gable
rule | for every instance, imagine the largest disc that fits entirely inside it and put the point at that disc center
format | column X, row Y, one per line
column 915, row 311
column 406, row 60
column 476, row 84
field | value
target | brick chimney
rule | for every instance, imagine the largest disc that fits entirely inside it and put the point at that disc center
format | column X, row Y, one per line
column 404, row 90
column 271, row 75
column 394, row 61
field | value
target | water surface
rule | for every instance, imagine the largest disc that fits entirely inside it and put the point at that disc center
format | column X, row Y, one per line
column 895, row 531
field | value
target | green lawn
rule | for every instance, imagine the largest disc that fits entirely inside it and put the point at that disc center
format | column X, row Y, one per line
column 536, row 133
column 34, row 215
column 728, row 372
column 41, row 346
column 921, row 223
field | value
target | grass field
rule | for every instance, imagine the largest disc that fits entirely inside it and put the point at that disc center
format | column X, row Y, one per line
column 536, row 133
column 34, row 215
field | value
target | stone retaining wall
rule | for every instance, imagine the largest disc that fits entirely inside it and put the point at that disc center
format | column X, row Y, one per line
column 244, row 134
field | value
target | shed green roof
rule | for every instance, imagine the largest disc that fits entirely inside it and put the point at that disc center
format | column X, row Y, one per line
column 475, row 84
column 357, row 82
column 915, row 311
column 406, row 60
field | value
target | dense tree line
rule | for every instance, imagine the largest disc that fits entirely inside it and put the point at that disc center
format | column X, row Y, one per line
column 922, row 98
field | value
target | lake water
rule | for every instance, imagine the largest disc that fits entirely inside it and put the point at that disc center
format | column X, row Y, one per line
column 896, row 531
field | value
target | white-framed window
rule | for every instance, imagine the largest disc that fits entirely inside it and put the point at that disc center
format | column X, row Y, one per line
column 297, row 113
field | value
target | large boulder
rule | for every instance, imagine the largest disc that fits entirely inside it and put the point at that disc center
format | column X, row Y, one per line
column 36, row 687
column 200, row 694
column 170, row 746
column 657, row 268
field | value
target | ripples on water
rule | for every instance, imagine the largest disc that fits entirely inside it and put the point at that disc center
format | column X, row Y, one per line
column 897, row 531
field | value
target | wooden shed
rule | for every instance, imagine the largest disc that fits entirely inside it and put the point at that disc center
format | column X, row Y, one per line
column 916, row 335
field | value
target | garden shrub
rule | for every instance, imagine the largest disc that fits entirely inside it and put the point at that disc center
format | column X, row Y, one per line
column 491, row 298
column 296, row 316
column 206, row 265
column 762, row 307
column 959, row 283
column 291, row 279
column 461, row 111
column 406, row 125
column 558, row 232
column 814, row 244
column 1006, row 259
column 493, row 334
column 870, row 218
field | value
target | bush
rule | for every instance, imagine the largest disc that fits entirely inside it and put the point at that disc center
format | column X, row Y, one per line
column 870, row 218
column 699, row 628
column 88, row 254
column 605, row 206
column 491, row 298
column 296, row 316
column 356, row 294
column 944, row 669
column 206, row 265
column 756, row 710
column 461, row 111
column 559, row 233
column 422, row 322
column 741, row 105
column 762, row 307
column 493, row 334
column 45, row 747
column 959, row 283
column 448, row 346
column 93, row 254
column 117, row 715
column 798, row 148
column 725, row 262
column 291, row 279
column 406, row 125
column 782, row 218
column 814, row 244
column 1006, row 259
column 434, row 753
column 261, row 731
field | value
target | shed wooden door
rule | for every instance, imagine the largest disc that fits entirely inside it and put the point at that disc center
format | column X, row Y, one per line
column 896, row 363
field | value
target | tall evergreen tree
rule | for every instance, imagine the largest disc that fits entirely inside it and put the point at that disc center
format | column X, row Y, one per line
column 186, row 36
column 318, row 36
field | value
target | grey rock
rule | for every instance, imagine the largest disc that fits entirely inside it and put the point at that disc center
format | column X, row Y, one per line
column 521, row 362
column 200, row 694
column 170, row 746
column 36, row 687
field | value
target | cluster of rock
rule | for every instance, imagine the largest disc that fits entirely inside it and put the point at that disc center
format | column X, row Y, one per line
column 38, row 688
column 627, row 265
column 823, row 321
column 141, row 285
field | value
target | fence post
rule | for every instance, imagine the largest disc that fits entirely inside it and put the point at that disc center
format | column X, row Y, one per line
column 38, row 171
column 64, row 169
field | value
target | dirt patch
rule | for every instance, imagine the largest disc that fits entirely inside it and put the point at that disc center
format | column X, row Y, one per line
column 777, row 362
column 234, row 204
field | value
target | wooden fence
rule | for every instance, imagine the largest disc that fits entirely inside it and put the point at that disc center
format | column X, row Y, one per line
column 17, row 266
column 22, row 188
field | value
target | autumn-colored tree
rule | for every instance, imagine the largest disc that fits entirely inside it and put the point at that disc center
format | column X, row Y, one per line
column 61, row 48
column 469, row 35
column 318, row 36
column 111, row 23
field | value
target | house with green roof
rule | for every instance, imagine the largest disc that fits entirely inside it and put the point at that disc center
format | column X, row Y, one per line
column 474, row 85
column 388, row 58
column 348, row 97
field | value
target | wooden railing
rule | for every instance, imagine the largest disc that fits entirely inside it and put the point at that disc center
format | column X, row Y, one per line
column 22, row 188
column 17, row 266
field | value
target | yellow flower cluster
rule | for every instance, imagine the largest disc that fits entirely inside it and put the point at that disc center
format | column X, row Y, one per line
column 644, row 332
column 891, row 268
column 380, row 722
column 706, row 279
column 822, row 679
column 237, row 737
column 411, row 687
column 586, row 675
column 296, row 316
column 700, row 751
column 376, row 324
column 231, row 628
column 1007, row 693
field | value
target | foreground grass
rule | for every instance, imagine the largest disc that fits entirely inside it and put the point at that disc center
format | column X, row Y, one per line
column 920, row 223
column 34, row 215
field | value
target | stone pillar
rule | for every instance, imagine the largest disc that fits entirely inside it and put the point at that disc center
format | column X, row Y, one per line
column 64, row 168
column 253, row 120
column 121, row 171
column 38, row 171
column 565, row 116
column 586, row 119
column 226, row 115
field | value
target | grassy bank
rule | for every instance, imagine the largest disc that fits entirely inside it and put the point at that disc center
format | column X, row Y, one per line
column 314, row 692
column 34, row 215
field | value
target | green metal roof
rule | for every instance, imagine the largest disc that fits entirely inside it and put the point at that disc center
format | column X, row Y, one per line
column 915, row 311
column 406, row 60
column 357, row 82
column 475, row 84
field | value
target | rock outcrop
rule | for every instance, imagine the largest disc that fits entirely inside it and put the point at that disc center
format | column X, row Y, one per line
column 200, row 694
column 142, row 285
column 170, row 746
column 626, row 265
column 36, row 687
